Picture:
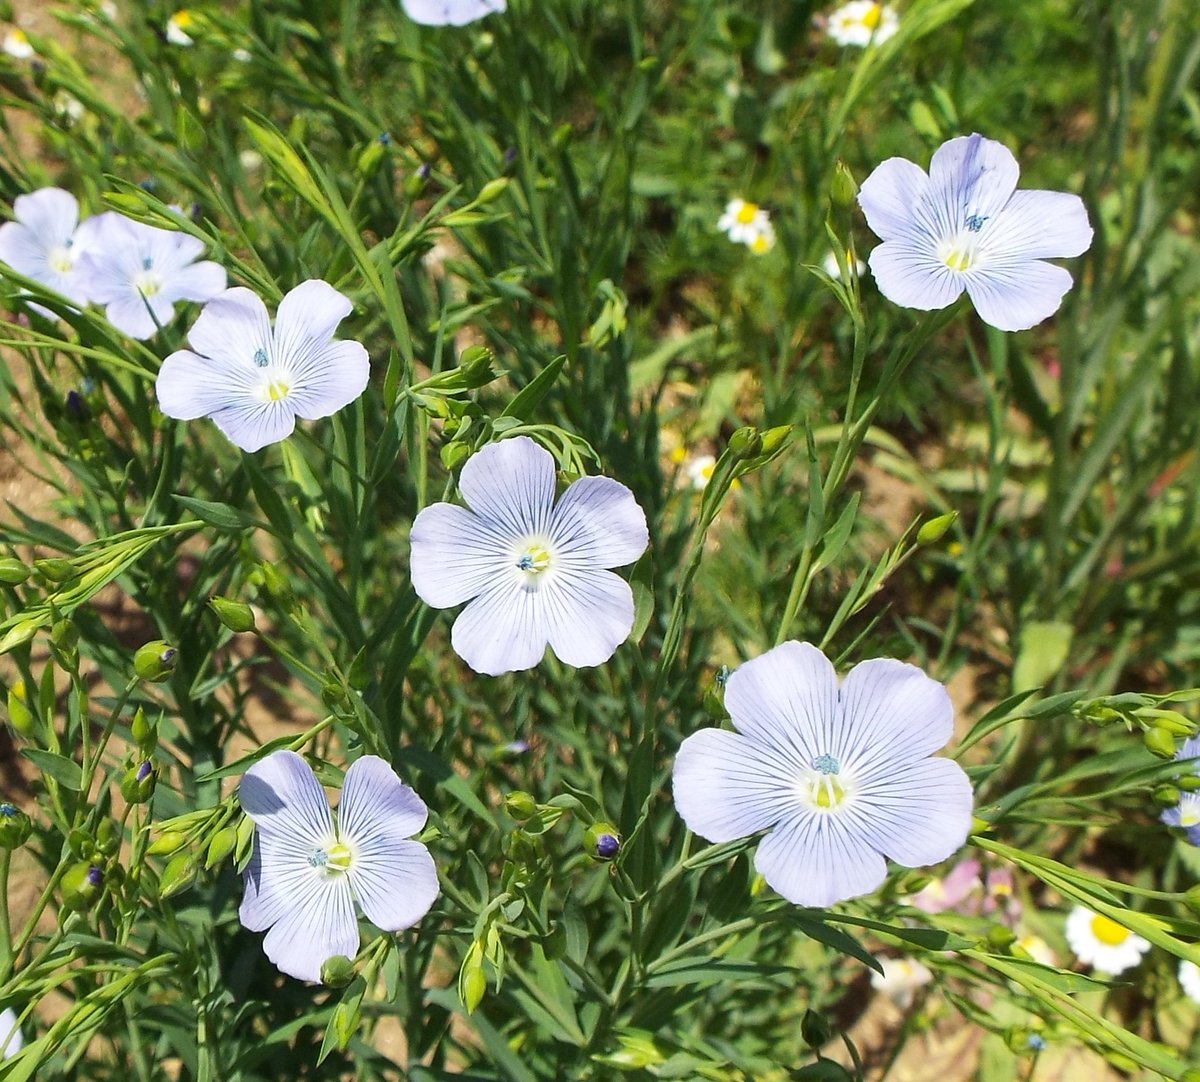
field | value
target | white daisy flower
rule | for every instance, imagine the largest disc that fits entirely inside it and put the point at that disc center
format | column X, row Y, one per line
column 745, row 222
column 12, row 1040
column 450, row 12
column 254, row 380
column 178, row 26
column 139, row 273
column 841, row 777
column 699, row 470
column 862, row 22
column 307, row 872
column 1100, row 942
column 1189, row 979
column 17, row 44
column 1037, row 949
column 830, row 266
column 46, row 243
column 535, row 571
column 965, row 226
column 901, row 979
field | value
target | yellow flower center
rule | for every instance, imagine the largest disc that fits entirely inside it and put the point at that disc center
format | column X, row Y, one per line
column 959, row 254
column 277, row 390
column 1108, row 931
column 18, row 37
column 760, row 244
column 60, row 259
column 183, row 19
column 147, row 282
column 534, row 560
column 872, row 16
column 332, row 860
column 823, row 787
column 746, row 213
column 1189, row 814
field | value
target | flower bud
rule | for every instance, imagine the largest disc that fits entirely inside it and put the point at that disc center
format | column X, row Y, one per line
column 492, row 191
column 1000, row 938
column 602, row 841
column 65, row 635
column 144, row 733
column 15, row 826
column 370, row 158
column 55, row 569
column 1166, row 796
column 20, row 717
column 337, row 972
column 475, row 364
column 138, row 783
column 276, row 583
column 81, row 887
column 1159, row 742
column 177, row 876
column 745, row 443
column 167, row 842
column 1189, row 783
column 472, row 982
column 452, row 454
column 520, row 806
column 108, row 837
column 155, row 661
column 843, row 190
column 220, row 847
column 1191, row 898
column 814, row 1029
column 935, row 528
column 13, row 572
column 82, row 844
column 235, row 615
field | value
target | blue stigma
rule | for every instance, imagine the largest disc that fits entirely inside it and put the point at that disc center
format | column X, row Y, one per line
column 318, row 858
column 826, row 764
column 68, row 242
column 525, row 563
column 975, row 222
column 147, row 263
column 260, row 358
column 7, row 810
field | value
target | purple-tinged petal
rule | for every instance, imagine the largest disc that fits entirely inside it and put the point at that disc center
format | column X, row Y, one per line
column 191, row 386
column 321, row 925
column 254, row 425
column 505, row 629
column 375, row 799
column 282, row 795
column 455, row 555
column 450, row 12
column 50, row 214
column 913, row 277
column 1039, row 225
column 1019, row 296
column 195, row 282
column 890, row 196
column 727, row 787
column 511, row 483
column 395, row 881
column 785, row 700
column 234, row 326
column 598, row 523
column 891, row 713
column 23, row 251
column 330, row 379
column 971, row 177
column 588, row 614
column 306, row 320
column 920, row 813
column 819, row 860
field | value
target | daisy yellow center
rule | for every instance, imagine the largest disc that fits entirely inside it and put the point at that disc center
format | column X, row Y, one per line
column 1108, row 932
column 746, row 213
column 60, row 258
column 871, row 16
column 332, row 860
column 760, row 244
column 183, row 19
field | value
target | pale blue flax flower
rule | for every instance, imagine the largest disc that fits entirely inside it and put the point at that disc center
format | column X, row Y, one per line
column 253, row 379
column 841, row 777
column 1186, row 814
column 139, row 272
column 535, row 571
column 307, row 871
column 45, row 243
column 450, row 12
column 965, row 226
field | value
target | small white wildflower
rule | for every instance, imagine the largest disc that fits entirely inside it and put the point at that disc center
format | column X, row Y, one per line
column 1108, row 947
column 178, row 26
column 17, row 44
column 901, row 979
column 862, row 22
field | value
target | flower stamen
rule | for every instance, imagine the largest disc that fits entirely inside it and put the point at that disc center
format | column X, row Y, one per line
column 534, row 560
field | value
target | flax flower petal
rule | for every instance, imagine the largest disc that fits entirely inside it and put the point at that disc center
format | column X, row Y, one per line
column 920, row 813
column 588, row 614
column 504, row 629
column 974, row 174
column 232, row 327
column 450, row 12
column 892, row 713
column 321, row 924
column 253, row 425
column 190, row 386
column 727, row 787
column 910, row 275
column 1041, row 225
column 1017, row 297
column 597, row 522
column 511, row 484
column 890, row 196
column 282, row 795
column 817, row 861
column 455, row 555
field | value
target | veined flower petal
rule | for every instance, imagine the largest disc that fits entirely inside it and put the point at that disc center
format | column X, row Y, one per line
column 254, row 425
column 588, row 613
column 50, row 214
column 190, row 386
column 1041, row 225
column 511, row 484
column 819, row 860
column 1019, row 296
column 598, row 523
column 321, row 924
column 504, row 629
column 232, row 328
column 375, row 801
column 306, row 320
column 450, row 12
column 455, row 555
column 971, row 175
column 920, row 813
column 890, row 196
column 912, row 277
column 329, row 379
column 726, row 787
column 281, row 794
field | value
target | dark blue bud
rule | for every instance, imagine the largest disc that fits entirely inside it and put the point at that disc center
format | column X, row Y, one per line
column 95, row 876
column 143, row 771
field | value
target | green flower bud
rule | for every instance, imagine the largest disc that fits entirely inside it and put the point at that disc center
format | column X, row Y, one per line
column 814, row 1029
column 1159, row 742
column 472, row 982
column 1000, row 938
column 235, row 615
column 338, row 971
column 935, row 528
column 220, row 847
column 167, row 842
column 745, row 443
column 1166, row 796
column 452, row 454
column 520, row 806
column 601, row 841
column 1191, row 898
column 82, row 844
column 64, row 635
column 155, row 661
column 81, row 887
column 1189, row 783
column 369, row 159
column 843, row 190
column 108, row 837
column 177, row 876
column 475, row 364
column 15, row 826
column 20, row 717
column 144, row 733
column 138, row 783
column 55, row 569
column 277, row 583
column 13, row 572
column 492, row 191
